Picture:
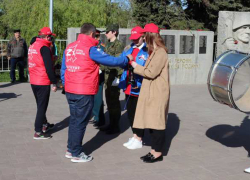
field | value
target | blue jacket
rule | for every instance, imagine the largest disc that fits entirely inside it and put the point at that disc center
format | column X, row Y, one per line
column 100, row 57
column 141, row 58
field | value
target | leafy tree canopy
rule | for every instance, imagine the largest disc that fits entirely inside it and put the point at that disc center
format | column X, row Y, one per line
column 167, row 14
column 184, row 14
column 31, row 16
column 207, row 11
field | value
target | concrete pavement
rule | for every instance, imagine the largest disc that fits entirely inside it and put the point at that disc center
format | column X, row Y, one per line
column 206, row 140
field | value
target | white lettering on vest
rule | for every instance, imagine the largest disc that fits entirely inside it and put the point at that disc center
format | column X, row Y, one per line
column 73, row 68
column 31, row 65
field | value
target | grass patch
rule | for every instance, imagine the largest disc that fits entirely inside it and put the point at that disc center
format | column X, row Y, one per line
column 5, row 76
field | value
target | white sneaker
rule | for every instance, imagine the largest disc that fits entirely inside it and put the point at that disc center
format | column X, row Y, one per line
column 247, row 170
column 130, row 141
column 136, row 144
column 68, row 154
column 82, row 158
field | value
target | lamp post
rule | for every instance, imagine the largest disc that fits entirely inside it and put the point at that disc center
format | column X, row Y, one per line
column 51, row 15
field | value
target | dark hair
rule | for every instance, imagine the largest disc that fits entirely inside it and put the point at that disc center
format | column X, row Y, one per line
column 150, row 38
column 88, row 28
column 97, row 35
column 116, row 34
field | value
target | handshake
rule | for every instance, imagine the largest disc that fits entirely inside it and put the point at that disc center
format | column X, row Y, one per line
column 131, row 61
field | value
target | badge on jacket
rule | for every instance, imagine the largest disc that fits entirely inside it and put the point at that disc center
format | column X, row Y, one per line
column 142, row 57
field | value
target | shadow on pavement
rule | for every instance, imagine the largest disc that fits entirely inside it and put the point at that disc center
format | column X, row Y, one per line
column 172, row 128
column 101, row 137
column 6, row 96
column 60, row 126
column 9, row 84
column 232, row 136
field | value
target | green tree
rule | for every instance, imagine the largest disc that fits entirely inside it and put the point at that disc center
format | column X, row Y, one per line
column 167, row 14
column 30, row 16
column 207, row 11
column 150, row 11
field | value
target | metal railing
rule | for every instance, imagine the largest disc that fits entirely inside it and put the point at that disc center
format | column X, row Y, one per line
column 61, row 46
column 5, row 63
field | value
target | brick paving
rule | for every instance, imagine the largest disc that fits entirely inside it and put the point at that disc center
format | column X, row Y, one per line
column 206, row 140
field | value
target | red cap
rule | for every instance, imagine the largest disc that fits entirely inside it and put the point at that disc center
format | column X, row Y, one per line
column 136, row 33
column 151, row 28
column 46, row 31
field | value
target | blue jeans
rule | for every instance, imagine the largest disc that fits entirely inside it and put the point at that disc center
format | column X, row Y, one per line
column 80, row 110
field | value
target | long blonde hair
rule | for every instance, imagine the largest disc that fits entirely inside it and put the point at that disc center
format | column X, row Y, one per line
column 152, row 38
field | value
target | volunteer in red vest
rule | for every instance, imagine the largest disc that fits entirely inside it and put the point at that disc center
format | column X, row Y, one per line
column 41, row 77
column 80, row 73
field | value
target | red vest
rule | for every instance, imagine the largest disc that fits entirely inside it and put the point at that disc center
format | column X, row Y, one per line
column 37, row 71
column 82, row 73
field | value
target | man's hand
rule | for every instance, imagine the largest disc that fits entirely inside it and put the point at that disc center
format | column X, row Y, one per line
column 54, row 88
column 131, row 60
column 8, row 58
column 130, row 57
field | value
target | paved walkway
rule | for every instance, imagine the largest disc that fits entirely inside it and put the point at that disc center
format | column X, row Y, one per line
column 206, row 140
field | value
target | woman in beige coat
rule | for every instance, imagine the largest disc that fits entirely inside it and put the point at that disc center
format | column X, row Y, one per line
column 152, row 108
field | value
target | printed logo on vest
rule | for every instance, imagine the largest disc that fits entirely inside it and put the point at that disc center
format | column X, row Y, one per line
column 31, row 52
column 31, row 65
column 70, row 54
column 80, row 52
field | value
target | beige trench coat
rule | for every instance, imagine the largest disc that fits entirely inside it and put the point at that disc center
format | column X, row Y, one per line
column 152, row 107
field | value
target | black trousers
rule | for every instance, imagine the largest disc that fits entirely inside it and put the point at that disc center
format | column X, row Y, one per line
column 21, row 65
column 158, row 139
column 42, row 94
column 131, row 108
column 112, row 94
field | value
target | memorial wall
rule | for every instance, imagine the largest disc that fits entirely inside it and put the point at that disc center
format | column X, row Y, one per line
column 190, row 53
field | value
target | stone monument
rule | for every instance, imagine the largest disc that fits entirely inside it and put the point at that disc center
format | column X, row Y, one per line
column 233, row 32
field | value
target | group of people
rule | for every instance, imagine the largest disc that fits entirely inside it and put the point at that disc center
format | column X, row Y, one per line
column 141, row 70
column 87, row 65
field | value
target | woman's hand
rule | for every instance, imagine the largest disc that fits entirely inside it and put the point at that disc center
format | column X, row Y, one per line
column 133, row 64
